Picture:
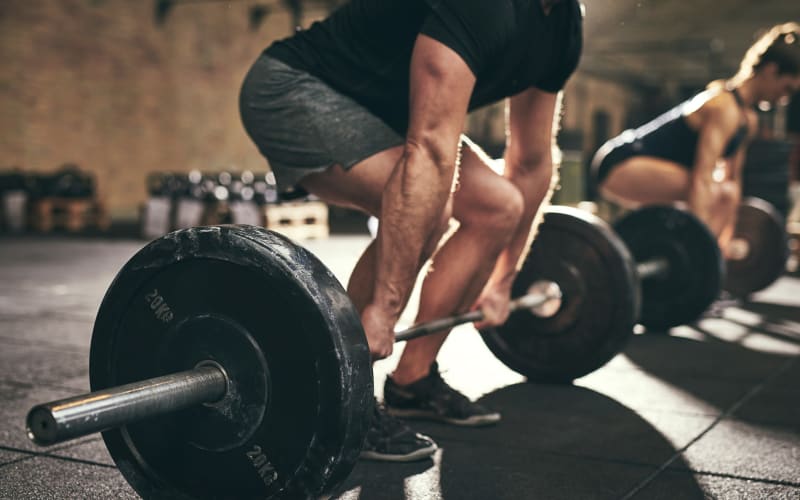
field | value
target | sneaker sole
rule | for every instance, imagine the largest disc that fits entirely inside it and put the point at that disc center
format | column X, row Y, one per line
column 414, row 456
column 475, row 421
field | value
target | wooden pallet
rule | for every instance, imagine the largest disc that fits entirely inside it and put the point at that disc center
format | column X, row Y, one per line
column 71, row 214
column 298, row 220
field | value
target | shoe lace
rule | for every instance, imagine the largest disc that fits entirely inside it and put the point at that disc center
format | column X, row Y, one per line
column 388, row 424
column 446, row 391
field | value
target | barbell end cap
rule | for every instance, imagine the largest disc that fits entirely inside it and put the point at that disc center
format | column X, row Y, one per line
column 553, row 298
column 40, row 426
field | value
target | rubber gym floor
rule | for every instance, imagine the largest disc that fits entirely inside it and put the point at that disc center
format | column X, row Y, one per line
column 711, row 410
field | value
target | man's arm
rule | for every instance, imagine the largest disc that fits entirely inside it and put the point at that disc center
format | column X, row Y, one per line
column 418, row 189
column 532, row 122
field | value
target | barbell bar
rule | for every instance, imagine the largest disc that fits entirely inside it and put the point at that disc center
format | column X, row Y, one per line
column 74, row 417
column 78, row 416
column 58, row 421
column 248, row 309
column 536, row 301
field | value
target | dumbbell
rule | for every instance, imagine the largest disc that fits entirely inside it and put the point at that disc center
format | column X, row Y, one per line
column 72, row 182
column 759, row 249
column 209, row 188
column 156, row 184
column 219, row 187
column 265, row 189
column 12, row 180
column 195, row 178
column 241, row 186
column 167, row 184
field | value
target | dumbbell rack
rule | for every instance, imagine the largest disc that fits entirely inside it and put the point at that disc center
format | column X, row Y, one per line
column 72, row 214
column 179, row 201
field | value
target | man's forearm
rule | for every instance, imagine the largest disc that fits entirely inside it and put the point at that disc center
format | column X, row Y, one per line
column 412, row 207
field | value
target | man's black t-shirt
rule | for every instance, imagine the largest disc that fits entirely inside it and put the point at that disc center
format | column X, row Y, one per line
column 363, row 49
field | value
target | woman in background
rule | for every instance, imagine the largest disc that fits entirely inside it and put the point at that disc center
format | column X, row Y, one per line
column 695, row 152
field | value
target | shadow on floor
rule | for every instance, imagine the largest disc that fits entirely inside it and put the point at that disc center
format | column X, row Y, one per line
column 727, row 361
column 553, row 442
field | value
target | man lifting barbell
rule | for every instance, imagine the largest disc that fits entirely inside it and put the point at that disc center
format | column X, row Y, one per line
column 695, row 152
column 365, row 109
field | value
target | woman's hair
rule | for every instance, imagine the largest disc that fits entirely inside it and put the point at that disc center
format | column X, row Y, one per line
column 780, row 45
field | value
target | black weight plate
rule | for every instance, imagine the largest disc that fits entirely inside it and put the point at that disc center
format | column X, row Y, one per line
column 273, row 316
column 223, row 342
column 696, row 266
column 582, row 254
column 763, row 228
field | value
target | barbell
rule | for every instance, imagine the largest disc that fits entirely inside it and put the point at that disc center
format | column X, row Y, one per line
column 228, row 361
column 659, row 266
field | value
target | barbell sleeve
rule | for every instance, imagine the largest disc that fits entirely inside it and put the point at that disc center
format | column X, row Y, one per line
column 65, row 419
column 528, row 301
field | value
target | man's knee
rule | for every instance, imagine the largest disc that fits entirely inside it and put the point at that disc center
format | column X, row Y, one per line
column 513, row 206
column 442, row 227
column 498, row 208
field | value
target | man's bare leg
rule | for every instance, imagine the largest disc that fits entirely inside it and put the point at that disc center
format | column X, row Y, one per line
column 361, row 188
column 488, row 208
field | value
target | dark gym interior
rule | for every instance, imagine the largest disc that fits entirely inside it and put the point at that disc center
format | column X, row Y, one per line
column 119, row 123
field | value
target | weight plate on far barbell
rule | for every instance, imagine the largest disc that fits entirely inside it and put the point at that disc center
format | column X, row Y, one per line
column 762, row 230
column 581, row 253
column 696, row 268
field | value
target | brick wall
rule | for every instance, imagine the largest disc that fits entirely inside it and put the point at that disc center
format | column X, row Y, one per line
column 586, row 95
column 583, row 96
column 102, row 84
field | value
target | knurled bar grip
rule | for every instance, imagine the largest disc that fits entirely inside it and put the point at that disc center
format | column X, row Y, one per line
column 652, row 268
column 58, row 421
column 528, row 301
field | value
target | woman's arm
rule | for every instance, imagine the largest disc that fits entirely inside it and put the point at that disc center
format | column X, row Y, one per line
column 719, row 121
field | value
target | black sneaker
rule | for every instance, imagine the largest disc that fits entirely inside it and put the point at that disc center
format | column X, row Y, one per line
column 432, row 399
column 391, row 440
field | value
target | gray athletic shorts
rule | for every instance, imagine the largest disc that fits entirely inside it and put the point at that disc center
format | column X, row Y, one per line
column 301, row 125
